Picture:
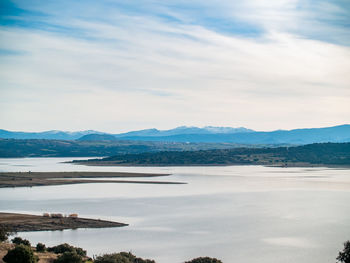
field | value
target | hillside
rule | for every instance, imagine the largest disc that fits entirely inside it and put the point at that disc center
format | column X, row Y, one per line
column 312, row 154
column 86, row 148
column 97, row 137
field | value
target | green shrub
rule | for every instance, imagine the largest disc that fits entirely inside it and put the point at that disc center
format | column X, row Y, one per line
column 19, row 241
column 66, row 248
column 122, row 257
column 40, row 247
column 111, row 258
column 20, row 254
column 69, row 257
column 204, row 260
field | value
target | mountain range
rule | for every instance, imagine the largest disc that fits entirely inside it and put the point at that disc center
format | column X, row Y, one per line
column 183, row 130
column 64, row 135
column 48, row 135
column 340, row 133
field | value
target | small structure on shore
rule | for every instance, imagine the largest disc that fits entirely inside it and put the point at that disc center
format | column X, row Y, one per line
column 58, row 215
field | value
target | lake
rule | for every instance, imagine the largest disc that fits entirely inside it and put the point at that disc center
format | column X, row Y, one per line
column 242, row 214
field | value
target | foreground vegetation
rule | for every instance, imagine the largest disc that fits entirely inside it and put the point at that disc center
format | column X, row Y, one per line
column 337, row 154
column 21, row 251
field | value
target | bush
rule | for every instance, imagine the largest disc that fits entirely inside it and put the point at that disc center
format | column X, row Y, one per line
column 140, row 260
column 111, row 258
column 204, row 260
column 69, row 257
column 4, row 233
column 67, row 248
column 122, row 257
column 20, row 254
column 19, row 241
column 344, row 256
column 40, row 247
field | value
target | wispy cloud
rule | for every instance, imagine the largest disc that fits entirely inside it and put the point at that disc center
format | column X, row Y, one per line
column 117, row 66
column 297, row 242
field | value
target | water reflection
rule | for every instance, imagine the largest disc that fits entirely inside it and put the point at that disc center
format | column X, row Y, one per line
column 281, row 214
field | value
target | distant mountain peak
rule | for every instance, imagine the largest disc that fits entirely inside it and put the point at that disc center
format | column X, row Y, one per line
column 184, row 130
column 97, row 137
column 215, row 129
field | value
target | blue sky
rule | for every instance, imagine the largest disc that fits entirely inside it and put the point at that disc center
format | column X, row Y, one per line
column 122, row 65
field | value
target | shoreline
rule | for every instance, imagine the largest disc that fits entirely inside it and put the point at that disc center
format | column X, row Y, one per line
column 27, row 223
column 288, row 165
column 29, row 179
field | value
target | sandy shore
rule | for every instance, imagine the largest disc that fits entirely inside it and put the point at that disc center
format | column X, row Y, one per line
column 24, row 222
column 28, row 179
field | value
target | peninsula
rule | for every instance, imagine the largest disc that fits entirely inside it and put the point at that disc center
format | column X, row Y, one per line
column 317, row 154
column 28, row 179
column 24, row 222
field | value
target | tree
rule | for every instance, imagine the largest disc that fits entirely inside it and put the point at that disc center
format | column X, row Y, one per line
column 67, row 248
column 20, row 254
column 344, row 256
column 19, row 241
column 40, row 247
column 4, row 233
column 69, row 257
column 204, row 260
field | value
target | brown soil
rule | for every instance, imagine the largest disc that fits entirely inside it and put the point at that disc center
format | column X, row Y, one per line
column 4, row 247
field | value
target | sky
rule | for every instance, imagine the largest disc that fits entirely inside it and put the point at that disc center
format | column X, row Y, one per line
column 117, row 66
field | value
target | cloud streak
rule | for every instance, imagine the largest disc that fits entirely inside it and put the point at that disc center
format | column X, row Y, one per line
column 117, row 67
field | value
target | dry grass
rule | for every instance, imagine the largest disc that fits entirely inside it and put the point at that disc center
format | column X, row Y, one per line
column 4, row 247
column 45, row 257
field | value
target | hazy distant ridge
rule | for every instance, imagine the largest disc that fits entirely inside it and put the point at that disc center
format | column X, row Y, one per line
column 207, row 134
column 64, row 135
column 48, row 135
column 299, row 136
column 182, row 130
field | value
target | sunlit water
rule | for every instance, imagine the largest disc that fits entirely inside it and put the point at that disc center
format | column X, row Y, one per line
column 242, row 214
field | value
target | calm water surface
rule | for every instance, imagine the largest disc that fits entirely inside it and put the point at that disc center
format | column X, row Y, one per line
column 243, row 214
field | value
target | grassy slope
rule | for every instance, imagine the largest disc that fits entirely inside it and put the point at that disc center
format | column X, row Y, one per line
column 44, row 257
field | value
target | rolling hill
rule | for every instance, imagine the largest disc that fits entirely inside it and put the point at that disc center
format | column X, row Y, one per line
column 318, row 154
